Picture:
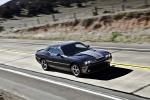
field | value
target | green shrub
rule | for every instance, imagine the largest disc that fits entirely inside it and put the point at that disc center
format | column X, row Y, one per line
column 114, row 35
column 1, row 28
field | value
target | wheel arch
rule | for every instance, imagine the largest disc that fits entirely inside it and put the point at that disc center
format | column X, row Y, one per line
column 75, row 63
column 72, row 63
column 41, row 59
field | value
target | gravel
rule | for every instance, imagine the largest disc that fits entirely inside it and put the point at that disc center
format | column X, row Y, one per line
column 9, row 96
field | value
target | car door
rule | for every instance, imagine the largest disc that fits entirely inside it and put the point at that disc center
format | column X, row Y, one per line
column 59, row 60
column 49, row 57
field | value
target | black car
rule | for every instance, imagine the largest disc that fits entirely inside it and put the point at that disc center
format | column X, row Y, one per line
column 73, row 56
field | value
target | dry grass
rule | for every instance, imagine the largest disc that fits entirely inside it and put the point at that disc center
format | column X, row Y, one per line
column 91, row 36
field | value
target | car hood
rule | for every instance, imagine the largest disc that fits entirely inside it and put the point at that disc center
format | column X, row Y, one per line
column 89, row 55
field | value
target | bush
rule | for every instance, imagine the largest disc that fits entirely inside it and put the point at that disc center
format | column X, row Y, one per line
column 1, row 28
column 119, row 15
column 76, row 22
column 79, row 5
column 131, row 15
column 87, row 22
column 106, row 17
column 97, row 26
column 114, row 35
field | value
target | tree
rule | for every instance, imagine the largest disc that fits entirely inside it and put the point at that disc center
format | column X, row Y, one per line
column 7, row 13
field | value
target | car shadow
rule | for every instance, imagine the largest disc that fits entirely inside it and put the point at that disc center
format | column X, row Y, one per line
column 109, row 73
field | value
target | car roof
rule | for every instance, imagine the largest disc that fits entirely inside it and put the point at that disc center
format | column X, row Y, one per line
column 63, row 43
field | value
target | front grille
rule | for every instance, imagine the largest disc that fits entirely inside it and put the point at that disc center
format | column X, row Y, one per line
column 100, row 59
column 98, row 67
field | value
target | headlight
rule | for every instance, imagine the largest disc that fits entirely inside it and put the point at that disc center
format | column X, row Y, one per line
column 108, row 56
column 90, row 62
column 87, row 62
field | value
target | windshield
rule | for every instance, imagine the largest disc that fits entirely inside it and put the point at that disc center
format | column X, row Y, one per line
column 72, row 49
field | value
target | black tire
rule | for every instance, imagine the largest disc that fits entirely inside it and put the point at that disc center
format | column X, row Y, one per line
column 108, row 65
column 75, row 69
column 44, row 65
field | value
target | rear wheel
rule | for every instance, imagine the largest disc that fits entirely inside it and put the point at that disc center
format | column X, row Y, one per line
column 76, row 70
column 44, row 65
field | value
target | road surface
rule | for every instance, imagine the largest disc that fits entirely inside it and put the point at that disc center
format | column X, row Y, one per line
column 130, row 72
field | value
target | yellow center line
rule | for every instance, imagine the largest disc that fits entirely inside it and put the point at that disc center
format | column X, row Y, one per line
column 133, row 66
column 17, row 51
column 115, row 63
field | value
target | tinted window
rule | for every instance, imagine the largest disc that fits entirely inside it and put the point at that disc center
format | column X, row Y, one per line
column 56, row 51
column 80, row 46
column 50, row 50
column 72, row 49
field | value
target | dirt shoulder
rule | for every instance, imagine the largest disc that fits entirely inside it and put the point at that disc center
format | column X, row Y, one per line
column 9, row 96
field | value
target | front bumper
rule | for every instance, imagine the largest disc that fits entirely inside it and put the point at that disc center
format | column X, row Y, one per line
column 37, row 59
column 96, row 66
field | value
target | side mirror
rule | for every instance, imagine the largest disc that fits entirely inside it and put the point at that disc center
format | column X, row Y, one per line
column 60, row 55
column 49, row 52
column 88, row 46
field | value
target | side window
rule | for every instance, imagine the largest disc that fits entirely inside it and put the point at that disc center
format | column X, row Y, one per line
column 80, row 46
column 50, row 50
column 56, row 51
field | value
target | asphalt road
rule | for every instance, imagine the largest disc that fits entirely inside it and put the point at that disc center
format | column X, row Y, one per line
column 130, row 73
column 36, row 86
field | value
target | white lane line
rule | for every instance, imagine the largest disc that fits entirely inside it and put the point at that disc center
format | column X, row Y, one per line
column 65, row 85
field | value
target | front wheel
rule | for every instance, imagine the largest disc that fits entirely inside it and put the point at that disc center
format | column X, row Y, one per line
column 44, row 65
column 76, row 70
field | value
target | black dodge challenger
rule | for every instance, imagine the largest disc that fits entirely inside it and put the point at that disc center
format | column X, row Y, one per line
column 73, row 56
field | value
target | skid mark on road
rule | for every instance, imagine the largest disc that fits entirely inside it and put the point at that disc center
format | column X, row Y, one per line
column 115, row 63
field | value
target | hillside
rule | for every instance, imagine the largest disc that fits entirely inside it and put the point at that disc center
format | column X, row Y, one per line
column 127, row 27
column 74, row 23
column 30, row 8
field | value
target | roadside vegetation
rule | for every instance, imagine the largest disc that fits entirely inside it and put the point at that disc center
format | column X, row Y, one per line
column 126, row 27
column 131, row 26
column 1, row 28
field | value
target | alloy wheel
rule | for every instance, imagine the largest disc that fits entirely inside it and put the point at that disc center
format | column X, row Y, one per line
column 44, row 65
column 76, row 70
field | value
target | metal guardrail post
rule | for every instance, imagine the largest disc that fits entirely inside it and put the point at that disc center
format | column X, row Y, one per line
column 123, row 7
column 146, row 2
column 38, row 21
column 75, row 17
column 113, row 8
column 53, row 16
